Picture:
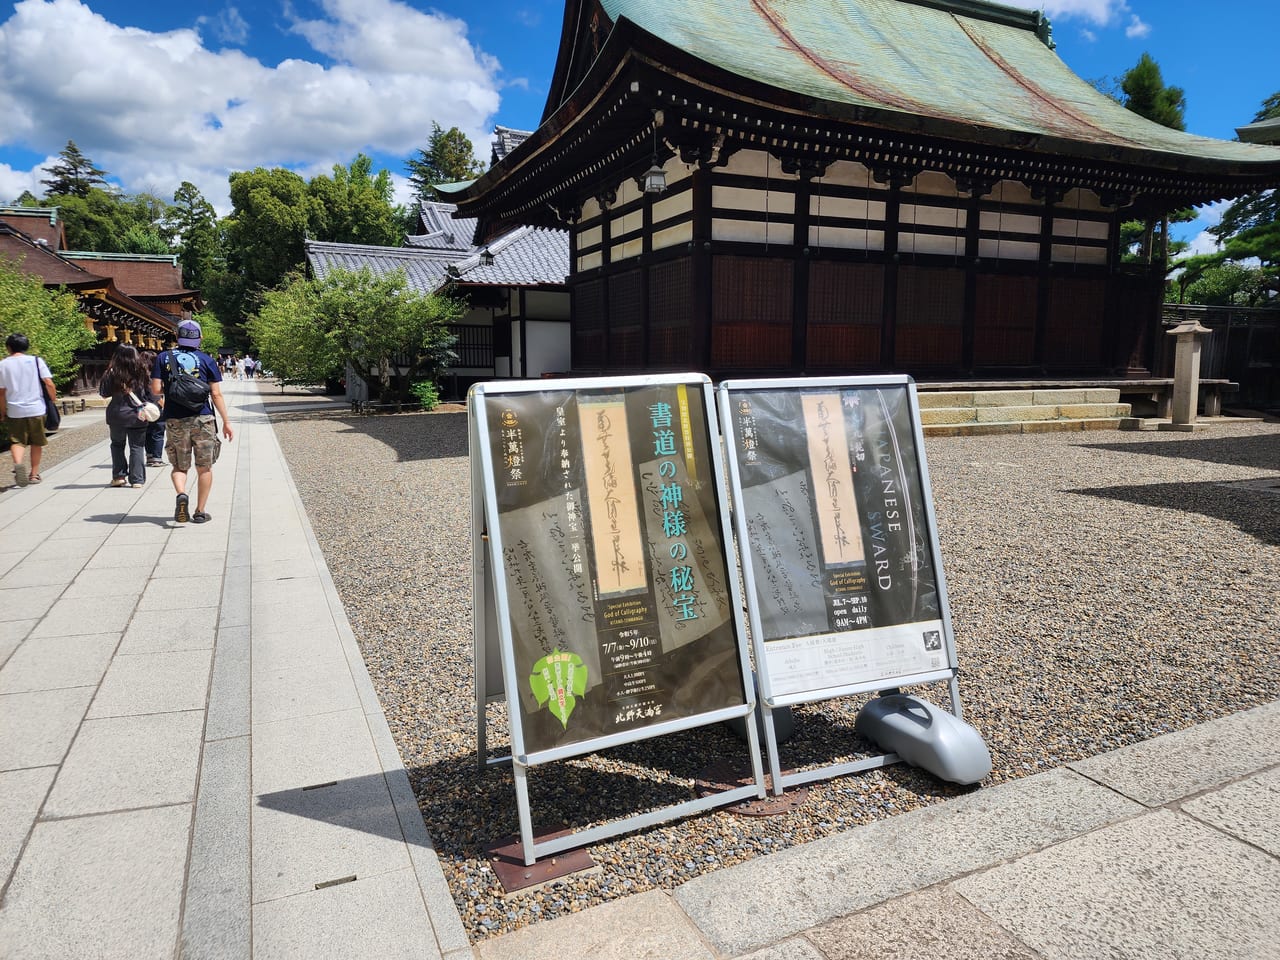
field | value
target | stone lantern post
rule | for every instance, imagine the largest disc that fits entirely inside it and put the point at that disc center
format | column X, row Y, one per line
column 1186, row 375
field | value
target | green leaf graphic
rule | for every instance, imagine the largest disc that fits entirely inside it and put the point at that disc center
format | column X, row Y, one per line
column 558, row 679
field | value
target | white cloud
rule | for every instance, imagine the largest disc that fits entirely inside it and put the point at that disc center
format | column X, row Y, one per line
column 1203, row 242
column 13, row 182
column 1100, row 12
column 1136, row 28
column 228, row 26
column 159, row 108
column 1089, row 35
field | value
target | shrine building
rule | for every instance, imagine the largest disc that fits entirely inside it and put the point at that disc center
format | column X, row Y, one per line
column 759, row 187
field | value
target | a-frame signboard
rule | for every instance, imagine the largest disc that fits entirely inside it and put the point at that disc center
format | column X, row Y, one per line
column 838, row 544
column 607, row 606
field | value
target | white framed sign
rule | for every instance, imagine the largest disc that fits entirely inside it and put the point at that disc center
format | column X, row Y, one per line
column 601, row 549
column 837, row 537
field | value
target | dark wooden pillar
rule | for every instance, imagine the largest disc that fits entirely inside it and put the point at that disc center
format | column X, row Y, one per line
column 605, row 201
column 700, row 327
column 889, row 309
column 1044, row 282
column 800, row 277
column 972, row 227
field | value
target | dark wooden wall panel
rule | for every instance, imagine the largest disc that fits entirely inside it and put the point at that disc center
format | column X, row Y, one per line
column 846, row 304
column 930, row 317
column 751, row 312
column 588, row 325
column 626, row 319
column 671, row 313
column 1004, row 325
column 1074, row 328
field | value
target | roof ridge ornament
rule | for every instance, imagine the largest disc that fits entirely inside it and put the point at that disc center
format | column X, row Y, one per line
column 1044, row 30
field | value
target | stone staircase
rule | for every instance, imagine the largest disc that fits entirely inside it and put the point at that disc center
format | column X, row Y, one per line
column 965, row 413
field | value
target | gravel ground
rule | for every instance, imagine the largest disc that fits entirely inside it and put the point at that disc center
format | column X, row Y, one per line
column 1105, row 588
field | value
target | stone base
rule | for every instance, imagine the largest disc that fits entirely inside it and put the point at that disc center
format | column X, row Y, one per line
column 1181, row 427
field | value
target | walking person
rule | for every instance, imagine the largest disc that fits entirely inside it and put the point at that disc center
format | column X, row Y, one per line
column 155, row 430
column 192, row 428
column 127, row 382
column 22, row 380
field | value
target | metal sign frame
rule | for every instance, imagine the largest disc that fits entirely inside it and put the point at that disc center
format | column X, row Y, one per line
column 493, row 637
column 770, row 698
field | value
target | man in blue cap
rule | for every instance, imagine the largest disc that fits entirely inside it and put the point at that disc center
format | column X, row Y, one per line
column 191, row 385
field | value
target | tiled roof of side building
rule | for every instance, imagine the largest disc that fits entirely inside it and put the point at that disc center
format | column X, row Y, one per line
column 425, row 270
column 524, row 257
column 439, row 230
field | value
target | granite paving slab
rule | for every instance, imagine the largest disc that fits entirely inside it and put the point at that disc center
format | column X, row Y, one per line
column 1150, row 888
column 140, row 683
column 51, row 663
column 347, row 920
column 36, row 728
column 647, row 926
column 934, row 924
column 107, row 887
column 21, row 794
column 121, row 763
column 1179, row 764
column 828, row 878
column 1246, row 809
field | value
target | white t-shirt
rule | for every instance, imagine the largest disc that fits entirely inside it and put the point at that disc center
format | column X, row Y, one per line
column 21, row 376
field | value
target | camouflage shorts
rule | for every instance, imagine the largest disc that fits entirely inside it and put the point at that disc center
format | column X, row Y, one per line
column 192, row 435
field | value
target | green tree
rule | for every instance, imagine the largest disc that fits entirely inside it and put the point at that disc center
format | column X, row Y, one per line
column 448, row 158
column 354, row 205
column 27, row 199
column 390, row 335
column 194, row 223
column 1145, row 94
column 287, row 337
column 1227, row 284
column 50, row 319
column 1245, row 271
column 271, row 215
column 1143, row 91
column 74, row 174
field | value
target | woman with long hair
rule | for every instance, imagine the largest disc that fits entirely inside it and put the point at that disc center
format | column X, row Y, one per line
column 127, row 378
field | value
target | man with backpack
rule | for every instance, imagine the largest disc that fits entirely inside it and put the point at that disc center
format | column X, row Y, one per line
column 191, row 385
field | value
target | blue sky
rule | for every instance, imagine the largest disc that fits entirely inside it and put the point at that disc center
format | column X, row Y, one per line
column 157, row 93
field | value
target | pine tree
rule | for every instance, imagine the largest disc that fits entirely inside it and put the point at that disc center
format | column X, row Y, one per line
column 448, row 158
column 74, row 174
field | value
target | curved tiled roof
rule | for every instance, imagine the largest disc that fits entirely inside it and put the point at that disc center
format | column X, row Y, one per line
column 425, row 270
column 524, row 257
column 964, row 63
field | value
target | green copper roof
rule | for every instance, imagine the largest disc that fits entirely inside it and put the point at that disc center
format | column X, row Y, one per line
column 961, row 61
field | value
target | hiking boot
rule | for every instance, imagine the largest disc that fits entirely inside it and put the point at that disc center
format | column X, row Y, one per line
column 180, row 512
column 20, row 475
